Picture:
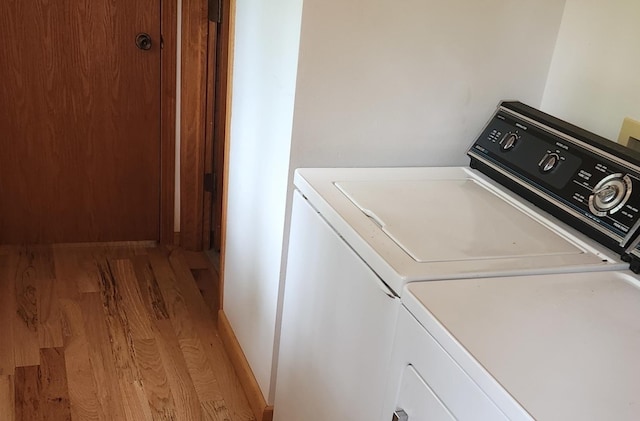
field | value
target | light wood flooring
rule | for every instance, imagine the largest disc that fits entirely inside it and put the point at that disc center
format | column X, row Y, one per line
column 112, row 333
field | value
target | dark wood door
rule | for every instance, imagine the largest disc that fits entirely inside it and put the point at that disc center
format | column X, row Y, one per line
column 79, row 121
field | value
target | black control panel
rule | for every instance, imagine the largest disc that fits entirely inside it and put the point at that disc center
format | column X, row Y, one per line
column 579, row 177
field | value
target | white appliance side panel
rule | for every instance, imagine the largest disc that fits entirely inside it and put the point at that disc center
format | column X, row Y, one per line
column 337, row 328
column 452, row 387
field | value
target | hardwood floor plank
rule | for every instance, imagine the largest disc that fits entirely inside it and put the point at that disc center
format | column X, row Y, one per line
column 184, row 393
column 41, row 392
column 204, row 324
column 209, row 288
column 40, row 257
column 109, row 355
column 134, row 399
column 215, row 411
column 49, row 320
column 67, row 272
column 110, row 333
column 25, row 323
column 196, row 259
column 118, row 325
column 149, row 288
column 7, row 312
column 27, row 394
column 52, row 381
column 130, row 299
column 200, row 370
column 176, row 305
column 155, row 381
column 83, row 394
column 88, row 276
column 7, row 398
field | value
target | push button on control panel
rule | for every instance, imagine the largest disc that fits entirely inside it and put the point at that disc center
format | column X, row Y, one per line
column 549, row 162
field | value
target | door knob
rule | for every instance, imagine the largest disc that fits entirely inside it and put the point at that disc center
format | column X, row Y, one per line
column 143, row 41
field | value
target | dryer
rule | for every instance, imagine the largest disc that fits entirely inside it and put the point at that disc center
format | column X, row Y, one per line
column 540, row 197
column 544, row 347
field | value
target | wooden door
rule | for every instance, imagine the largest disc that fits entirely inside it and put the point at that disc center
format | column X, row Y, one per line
column 79, row 121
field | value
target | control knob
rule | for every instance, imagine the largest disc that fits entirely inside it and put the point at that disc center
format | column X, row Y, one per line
column 509, row 141
column 549, row 162
column 610, row 194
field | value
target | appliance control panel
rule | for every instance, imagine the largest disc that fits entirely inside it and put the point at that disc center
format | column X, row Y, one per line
column 566, row 169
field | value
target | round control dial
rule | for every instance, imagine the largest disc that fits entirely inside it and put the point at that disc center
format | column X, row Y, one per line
column 509, row 141
column 549, row 162
column 610, row 194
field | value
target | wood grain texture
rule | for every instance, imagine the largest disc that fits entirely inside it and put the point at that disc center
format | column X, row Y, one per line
column 54, row 402
column 209, row 287
column 81, row 375
column 109, row 355
column 207, row 332
column 7, row 398
column 209, row 130
column 168, row 95
column 227, row 141
column 49, row 321
column 130, row 299
column 155, row 380
column 220, row 120
column 215, row 411
column 7, row 311
column 149, row 288
column 135, row 403
column 192, row 121
column 200, row 369
column 25, row 321
column 122, row 357
column 81, row 125
column 184, row 391
column 41, row 392
column 179, row 316
column 27, row 394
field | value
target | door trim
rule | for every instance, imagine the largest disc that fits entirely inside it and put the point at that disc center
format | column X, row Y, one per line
column 195, row 31
column 168, row 65
column 205, row 82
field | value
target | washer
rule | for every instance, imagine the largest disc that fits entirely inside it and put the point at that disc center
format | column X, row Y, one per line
column 358, row 236
column 545, row 347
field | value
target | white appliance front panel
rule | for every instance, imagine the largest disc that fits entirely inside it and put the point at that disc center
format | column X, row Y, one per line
column 542, row 244
column 454, row 220
column 418, row 400
column 564, row 346
column 446, row 384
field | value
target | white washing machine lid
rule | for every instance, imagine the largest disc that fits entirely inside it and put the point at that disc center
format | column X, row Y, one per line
column 454, row 220
column 565, row 346
column 397, row 221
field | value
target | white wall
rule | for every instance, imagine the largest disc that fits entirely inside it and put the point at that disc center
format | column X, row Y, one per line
column 412, row 82
column 594, row 79
column 265, row 62
column 379, row 84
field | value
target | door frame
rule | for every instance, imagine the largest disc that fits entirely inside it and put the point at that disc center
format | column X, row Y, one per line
column 168, row 66
column 205, row 62
column 193, row 104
